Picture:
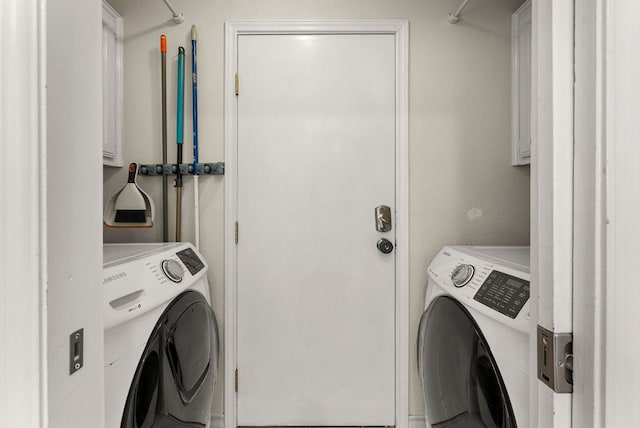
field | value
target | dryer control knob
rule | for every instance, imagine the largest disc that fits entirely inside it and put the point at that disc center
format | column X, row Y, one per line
column 462, row 275
column 173, row 270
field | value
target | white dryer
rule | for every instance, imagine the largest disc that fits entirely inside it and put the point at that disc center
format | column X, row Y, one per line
column 160, row 337
column 473, row 338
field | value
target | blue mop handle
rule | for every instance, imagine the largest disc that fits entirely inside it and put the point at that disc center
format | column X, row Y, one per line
column 180, row 103
column 194, row 88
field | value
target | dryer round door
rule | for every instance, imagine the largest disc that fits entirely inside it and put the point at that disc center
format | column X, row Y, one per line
column 173, row 383
column 460, row 379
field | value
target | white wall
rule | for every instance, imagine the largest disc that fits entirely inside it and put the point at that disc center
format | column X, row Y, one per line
column 73, row 210
column 462, row 187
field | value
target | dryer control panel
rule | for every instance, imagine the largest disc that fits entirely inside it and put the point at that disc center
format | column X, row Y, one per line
column 190, row 260
column 491, row 280
column 505, row 293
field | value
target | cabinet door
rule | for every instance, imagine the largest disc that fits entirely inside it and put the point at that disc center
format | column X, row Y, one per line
column 521, row 76
column 111, row 86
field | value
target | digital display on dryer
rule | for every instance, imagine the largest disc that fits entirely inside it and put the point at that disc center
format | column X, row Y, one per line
column 504, row 293
column 513, row 283
column 191, row 260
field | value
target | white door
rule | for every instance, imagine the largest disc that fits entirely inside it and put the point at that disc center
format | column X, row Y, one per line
column 315, row 296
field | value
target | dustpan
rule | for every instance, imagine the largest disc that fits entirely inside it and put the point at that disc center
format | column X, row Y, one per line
column 131, row 206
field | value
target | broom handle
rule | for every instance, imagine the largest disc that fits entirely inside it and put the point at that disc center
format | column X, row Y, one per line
column 194, row 91
column 179, row 135
column 165, row 179
column 178, row 212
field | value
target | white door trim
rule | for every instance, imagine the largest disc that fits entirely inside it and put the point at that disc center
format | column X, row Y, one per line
column 552, row 184
column 400, row 29
column 23, row 325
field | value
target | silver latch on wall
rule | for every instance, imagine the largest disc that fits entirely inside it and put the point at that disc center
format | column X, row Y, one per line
column 555, row 360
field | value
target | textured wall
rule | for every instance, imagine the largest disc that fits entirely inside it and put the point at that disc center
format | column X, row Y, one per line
column 462, row 187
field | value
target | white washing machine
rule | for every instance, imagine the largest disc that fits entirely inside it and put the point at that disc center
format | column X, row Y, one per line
column 160, row 337
column 473, row 339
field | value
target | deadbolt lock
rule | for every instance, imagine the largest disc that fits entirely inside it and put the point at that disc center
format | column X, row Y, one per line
column 383, row 218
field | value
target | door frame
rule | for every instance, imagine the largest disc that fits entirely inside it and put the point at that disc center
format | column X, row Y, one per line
column 590, row 256
column 400, row 29
column 552, row 194
column 616, row 104
column 23, row 214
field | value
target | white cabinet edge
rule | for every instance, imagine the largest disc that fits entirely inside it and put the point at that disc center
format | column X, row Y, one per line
column 112, row 19
column 517, row 158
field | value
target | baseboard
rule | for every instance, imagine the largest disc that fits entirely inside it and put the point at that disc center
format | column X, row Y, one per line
column 217, row 421
column 417, row 422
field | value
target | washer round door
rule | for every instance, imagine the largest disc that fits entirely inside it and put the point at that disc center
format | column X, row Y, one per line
column 173, row 384
column 460, row 379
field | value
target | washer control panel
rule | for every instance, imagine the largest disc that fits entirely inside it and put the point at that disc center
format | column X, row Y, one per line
column 138, row 278
column 504, row 293
column 493, row 281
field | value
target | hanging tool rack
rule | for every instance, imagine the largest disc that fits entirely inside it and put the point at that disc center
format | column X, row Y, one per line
column 215, row 168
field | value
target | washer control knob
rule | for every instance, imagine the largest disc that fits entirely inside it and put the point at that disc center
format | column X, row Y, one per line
column 173, row 270
column 462, row 275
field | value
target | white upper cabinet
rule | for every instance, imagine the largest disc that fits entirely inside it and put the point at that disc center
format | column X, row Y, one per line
column 521, row 85
column 111, row 86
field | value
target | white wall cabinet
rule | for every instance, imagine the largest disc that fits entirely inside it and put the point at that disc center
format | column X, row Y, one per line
column 521, row 85
column 112, row 92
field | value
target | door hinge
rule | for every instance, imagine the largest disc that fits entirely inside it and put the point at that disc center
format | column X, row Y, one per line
column 237, row 81
column 236, row 232
column 555, row 360
column 236, row 380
